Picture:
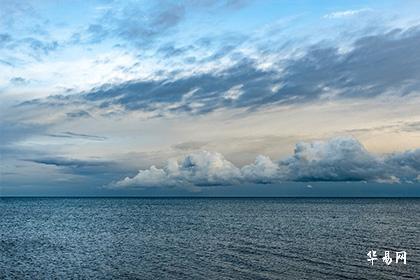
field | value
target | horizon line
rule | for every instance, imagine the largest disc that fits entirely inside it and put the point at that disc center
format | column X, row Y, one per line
column 201, row 197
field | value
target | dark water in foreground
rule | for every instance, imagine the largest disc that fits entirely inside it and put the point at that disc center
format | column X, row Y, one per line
column 207, row 238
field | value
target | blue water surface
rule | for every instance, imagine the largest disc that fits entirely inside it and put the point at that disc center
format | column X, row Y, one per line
column 207, row 238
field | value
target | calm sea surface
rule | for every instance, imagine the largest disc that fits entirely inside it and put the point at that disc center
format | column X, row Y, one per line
column 127, row 238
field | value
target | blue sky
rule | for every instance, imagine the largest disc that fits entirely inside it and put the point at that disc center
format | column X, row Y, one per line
column 209, row 97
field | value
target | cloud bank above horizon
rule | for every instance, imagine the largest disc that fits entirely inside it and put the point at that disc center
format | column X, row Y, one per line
column 339, row 159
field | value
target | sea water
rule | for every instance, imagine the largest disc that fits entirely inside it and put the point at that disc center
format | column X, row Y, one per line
column 207, row 238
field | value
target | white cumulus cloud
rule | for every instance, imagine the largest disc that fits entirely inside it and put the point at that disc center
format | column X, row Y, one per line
column 263, row 170
column 335, row 159
column 198, row 169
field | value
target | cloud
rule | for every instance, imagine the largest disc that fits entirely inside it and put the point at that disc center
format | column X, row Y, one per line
column 79, row 166
column 13, row 132
column 209, row 91
column 26, row 34
column 262, row 171
column 5, row 39
column 380, row 64
column 188, row 146
column 169, row 50
column 39, row 46
column 198, row 169
column 135, row 25
column 5, row 62
column 336, row 159
column 35, row 47
column 19, row 81
column 78, row 114
column 69, row 134
column 345, row 14
column 16, row 13
column 62, row 161
column 140, row 25
column 411, row 127
column 409, row 161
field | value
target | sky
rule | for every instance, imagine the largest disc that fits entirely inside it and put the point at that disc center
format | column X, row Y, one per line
column 210, row 98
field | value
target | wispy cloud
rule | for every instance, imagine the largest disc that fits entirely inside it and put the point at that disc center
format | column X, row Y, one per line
column 80, row 167
column 69, row 134
column 78, row 114
column 140, row 25
column 19, row 81
column 345, row 14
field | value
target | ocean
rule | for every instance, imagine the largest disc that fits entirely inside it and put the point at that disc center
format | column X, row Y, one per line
column 208, row 238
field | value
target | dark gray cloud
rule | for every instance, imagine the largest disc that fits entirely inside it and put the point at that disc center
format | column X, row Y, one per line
column 79, row 167
column 386, row 63
column 411, row 127
column 18, row 81
column 69, row 134
column 208, row 90
column 376, row 65
column 78, row 114
column 408, row 161
column 340, row 159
